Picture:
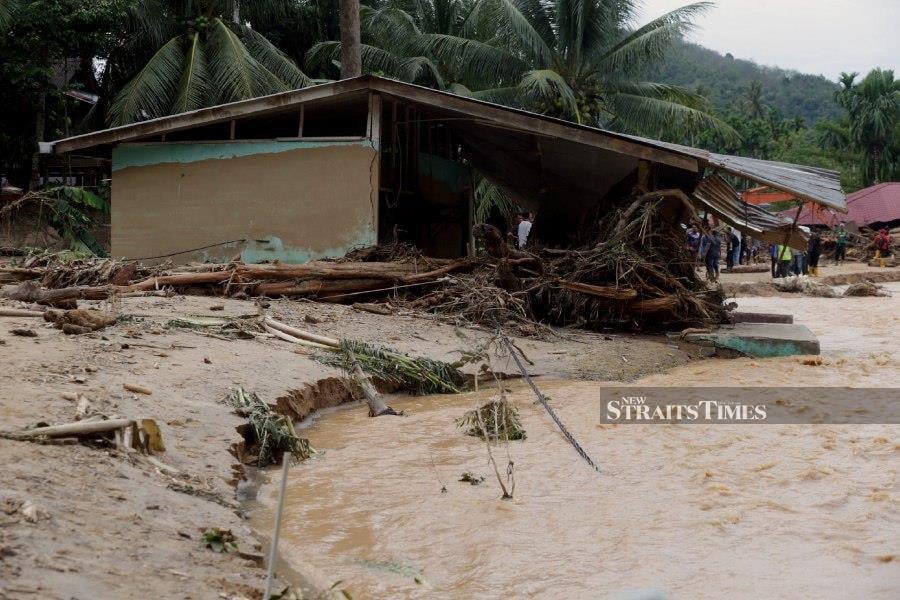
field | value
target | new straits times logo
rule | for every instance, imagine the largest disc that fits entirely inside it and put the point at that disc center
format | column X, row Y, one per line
column 642, row 409
column 738, row 405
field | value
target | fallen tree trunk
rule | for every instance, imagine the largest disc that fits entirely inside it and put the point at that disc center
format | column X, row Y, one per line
column 654, row 305
column 608, row 292
column 19, row 273
column 299, row 333
column 18, row 312
column 31, row 292
column 73, row 429
column 176, row 279
column 316, row 287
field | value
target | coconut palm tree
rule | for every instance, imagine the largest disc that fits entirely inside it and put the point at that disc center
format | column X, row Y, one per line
column 204, row 52
column 874, row 110
column 755, row 106
column 393, row 44
column 580, row 61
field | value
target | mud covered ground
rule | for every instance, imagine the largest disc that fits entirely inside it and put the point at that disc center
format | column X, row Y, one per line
column 102, row 524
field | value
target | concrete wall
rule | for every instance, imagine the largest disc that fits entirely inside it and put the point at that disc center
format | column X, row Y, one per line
column 295, row 200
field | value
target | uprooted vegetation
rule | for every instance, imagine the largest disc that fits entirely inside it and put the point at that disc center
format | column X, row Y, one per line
column 497, row 420
column 637, row 274
column 416, row 374
column 268, row 436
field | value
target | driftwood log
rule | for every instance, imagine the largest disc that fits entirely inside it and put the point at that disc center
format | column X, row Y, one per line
column 319, row 279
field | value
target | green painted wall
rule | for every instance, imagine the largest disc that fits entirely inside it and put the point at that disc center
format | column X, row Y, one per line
column 141, row 155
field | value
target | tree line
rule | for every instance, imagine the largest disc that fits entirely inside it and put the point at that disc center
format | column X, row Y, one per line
column 588, row 61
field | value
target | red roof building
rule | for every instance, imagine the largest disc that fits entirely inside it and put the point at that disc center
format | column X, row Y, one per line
column 877, row 204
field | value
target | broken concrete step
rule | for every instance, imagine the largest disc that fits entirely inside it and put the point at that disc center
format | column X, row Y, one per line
column 760, row 340
column 754, row 317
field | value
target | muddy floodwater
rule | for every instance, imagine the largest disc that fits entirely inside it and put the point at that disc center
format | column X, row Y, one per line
column 679, row 511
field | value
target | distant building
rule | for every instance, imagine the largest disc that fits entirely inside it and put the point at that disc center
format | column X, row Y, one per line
column 876, row 206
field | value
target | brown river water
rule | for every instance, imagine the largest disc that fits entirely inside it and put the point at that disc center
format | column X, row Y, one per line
column 679, row 511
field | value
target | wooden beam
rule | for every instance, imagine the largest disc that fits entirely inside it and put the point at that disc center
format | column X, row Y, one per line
column 499, row 116
column 211, row 115
column 523, row 121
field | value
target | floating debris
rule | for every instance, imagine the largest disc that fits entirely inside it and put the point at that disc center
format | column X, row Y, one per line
column 500, row 419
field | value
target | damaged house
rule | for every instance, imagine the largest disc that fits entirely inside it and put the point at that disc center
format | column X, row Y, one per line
column 316, row 172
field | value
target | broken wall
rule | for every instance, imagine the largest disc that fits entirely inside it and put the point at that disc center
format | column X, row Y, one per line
column 288, row 200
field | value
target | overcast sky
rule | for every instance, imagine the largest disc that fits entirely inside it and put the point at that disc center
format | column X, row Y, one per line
column 811, row 36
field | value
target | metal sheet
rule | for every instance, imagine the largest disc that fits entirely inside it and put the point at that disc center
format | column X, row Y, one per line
column 715, row 194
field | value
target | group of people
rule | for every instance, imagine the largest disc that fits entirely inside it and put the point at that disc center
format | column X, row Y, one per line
column 706, row 244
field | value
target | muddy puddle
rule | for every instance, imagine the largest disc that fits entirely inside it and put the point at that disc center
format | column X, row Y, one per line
column 680, row 511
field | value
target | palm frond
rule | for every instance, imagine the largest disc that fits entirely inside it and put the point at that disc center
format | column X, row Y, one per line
column 7, row 9
column 547, row 84
column 273, row 59
column 236, row 75
column 148, row 24
column 507, row 96
column 194, row 89
column 665, row 91
column 153, row 88
column 490, row 198
column 529, row 40
column 476, row 61
column 650, row 42
column 322, row 54
column 389, row 26
column 416, row 67
column 663, row 118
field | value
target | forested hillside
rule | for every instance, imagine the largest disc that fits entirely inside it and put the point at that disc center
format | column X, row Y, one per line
column 726, row 81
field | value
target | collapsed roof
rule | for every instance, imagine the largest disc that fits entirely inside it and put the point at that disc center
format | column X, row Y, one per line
column 540, row 159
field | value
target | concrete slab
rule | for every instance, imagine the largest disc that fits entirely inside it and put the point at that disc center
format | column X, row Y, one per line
column 760, row 340
column 753, row 317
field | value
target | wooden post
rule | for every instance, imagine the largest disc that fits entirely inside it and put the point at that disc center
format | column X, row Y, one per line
column 373, row 130
column 273, row 551
column 643, row 181
column 302, row 119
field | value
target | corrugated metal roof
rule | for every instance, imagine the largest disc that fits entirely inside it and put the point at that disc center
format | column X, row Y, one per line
column 715, row 194
column 812, row 184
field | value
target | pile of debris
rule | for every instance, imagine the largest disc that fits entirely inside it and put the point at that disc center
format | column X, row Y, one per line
column 639, row 276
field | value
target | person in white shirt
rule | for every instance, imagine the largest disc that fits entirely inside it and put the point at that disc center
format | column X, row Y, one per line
column 524, row 229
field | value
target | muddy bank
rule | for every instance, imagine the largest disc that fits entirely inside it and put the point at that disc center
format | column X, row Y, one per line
column 687, row 510
column 742, row 287
column 113, row 526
